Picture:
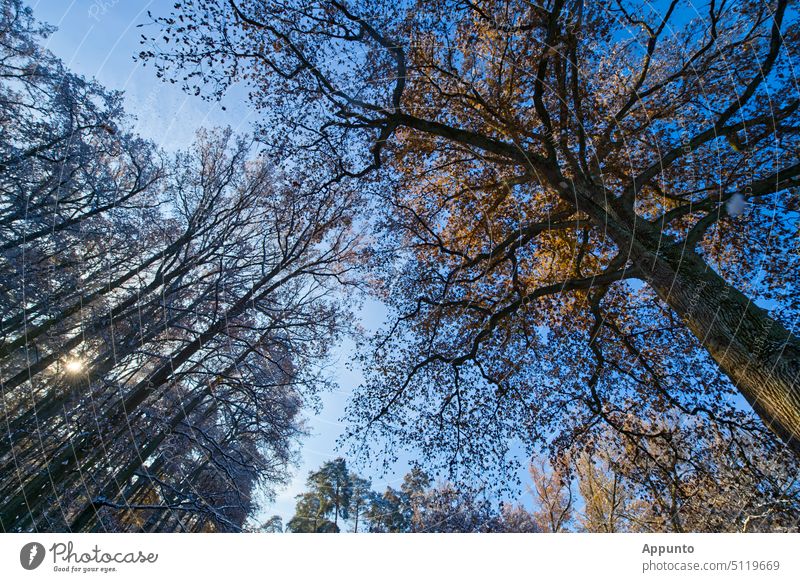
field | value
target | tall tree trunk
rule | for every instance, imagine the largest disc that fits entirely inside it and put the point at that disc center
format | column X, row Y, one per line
column 114, row 484
column 34, row 331
column 74, row 452
column 336, row 510
column 54, row 401
column 759, row 355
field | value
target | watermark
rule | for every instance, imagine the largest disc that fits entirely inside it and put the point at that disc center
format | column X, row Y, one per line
column 31, row 555
column 100, row 8
column 67, row 558
column 673, row 549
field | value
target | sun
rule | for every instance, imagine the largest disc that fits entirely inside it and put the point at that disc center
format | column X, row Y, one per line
column 74, row 366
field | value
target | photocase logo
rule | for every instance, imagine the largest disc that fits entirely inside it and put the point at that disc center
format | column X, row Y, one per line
column 31, row 555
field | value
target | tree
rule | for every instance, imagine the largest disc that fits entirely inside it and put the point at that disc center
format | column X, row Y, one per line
column 385, row 513
column 362, row 496
column 393, row 511
column 446, row 509
column 551, row 488
column 704, row 479
column 514, row 518
column 578, row 201
column 699, row 479
column 609, row 504
column 422, row 507
column 310, row 515
column 330, row 494
column 418, row 506
column 164, row 317
column 333, row 482
column 273, row 525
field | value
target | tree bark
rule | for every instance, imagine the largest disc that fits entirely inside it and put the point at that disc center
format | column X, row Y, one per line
column 759, row 355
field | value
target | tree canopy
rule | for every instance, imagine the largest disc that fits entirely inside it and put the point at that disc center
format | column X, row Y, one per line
column 164, row 317
column 585, row 212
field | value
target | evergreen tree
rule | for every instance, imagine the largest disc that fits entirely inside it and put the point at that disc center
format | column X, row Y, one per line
column 328, row 500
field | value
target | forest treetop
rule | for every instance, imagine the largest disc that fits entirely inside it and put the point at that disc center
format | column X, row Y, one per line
column 584, row 206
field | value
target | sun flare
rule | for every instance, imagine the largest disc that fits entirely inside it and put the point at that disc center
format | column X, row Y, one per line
column 74, row 366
